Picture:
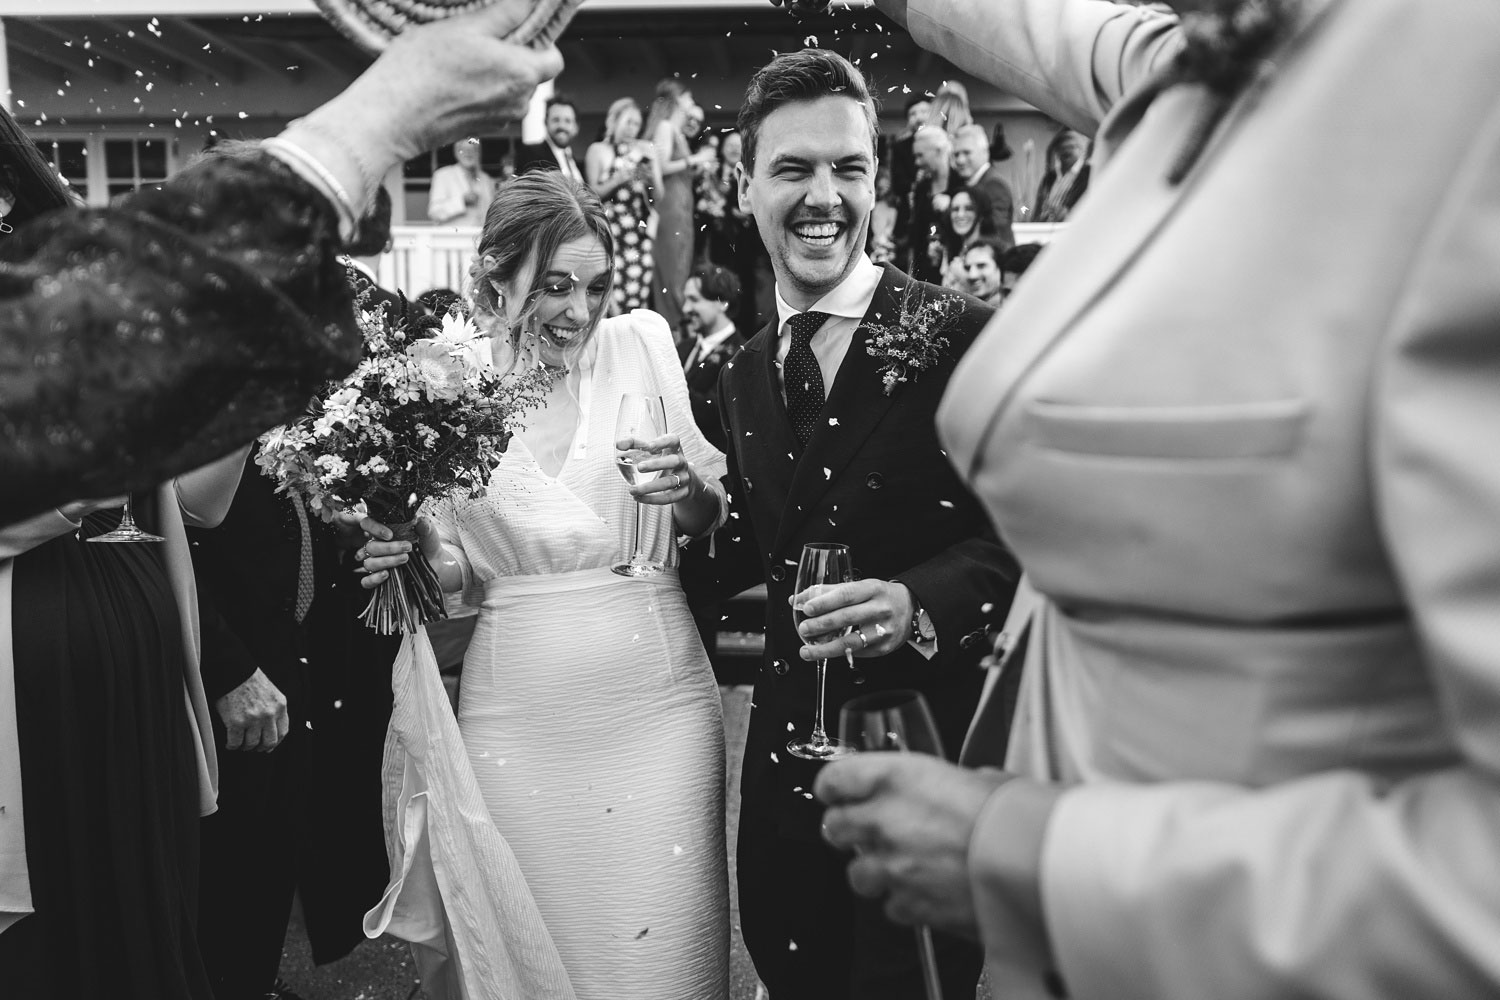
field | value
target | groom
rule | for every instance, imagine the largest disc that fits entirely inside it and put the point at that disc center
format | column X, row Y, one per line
column 820, row 451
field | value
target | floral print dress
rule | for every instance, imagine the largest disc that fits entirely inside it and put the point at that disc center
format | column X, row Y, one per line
column 628, row 207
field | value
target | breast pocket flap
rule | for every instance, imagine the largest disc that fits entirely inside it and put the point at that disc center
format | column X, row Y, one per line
column 1204, row 433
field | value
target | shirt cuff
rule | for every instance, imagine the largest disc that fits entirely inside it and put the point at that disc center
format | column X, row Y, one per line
column 1005, row 871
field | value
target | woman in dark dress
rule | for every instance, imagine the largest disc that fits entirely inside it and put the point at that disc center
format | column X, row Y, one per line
column 109, row 770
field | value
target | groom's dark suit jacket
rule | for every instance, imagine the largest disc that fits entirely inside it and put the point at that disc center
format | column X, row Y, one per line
column 874, row 477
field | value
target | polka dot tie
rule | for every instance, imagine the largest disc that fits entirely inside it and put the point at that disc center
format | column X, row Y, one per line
column 304, row 561
column 804, row 379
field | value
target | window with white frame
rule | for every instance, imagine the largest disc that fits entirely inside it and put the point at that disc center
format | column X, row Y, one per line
column 102, row 166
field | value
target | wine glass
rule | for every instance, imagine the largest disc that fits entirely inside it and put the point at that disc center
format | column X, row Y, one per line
column 641, row 416
column 128, row 531
column 896, row 721
column 823, row 564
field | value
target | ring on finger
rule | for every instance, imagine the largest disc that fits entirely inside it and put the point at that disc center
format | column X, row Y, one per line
column 863, row 642
column 676, row 481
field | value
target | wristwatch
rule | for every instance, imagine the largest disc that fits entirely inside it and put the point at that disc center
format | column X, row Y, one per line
column 922, row 629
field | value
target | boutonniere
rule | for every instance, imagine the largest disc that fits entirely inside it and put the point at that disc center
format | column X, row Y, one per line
column 914, row 340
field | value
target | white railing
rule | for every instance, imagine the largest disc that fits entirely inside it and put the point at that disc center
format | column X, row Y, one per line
column 425, row 256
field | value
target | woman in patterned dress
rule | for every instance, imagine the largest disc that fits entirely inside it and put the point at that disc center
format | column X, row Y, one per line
column 623, row 171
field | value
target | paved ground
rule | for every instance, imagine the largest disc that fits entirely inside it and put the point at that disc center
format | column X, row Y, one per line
column 382, row 970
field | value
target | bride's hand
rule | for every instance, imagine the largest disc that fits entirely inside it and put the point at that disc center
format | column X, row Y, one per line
column 676, row 480
column 381, row 553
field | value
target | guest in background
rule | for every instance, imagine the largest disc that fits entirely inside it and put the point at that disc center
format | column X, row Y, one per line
column 555, row 152
column 971, row 149
column 981, row 268
column 675, row 232
column 718, row 206
column 1014, row 262
column 950, row 108
column 1066, row 178
column 461, row 191
column 709, row 301
column 926, row 217
column 902, row 160
column 623, row 171
column 969, row 220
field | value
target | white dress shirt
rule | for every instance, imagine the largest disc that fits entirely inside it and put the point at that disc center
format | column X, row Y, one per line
column 846, row 305
column 565, row 161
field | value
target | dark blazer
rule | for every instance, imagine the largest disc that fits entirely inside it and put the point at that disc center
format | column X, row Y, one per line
column 538, row 156
column 1002, row 204
column 703, row 384
column 874, row 477
column 320, row 790
column 877, row 481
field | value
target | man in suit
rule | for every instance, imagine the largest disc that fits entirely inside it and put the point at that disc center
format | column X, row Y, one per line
column 461, row 192
column 709, row 298
column 1259, row 753
column 555, row 152
column 301, row 695
column 971, row 161
column 819, row 451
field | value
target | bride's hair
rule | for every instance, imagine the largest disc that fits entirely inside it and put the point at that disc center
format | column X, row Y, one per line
column 530, row 218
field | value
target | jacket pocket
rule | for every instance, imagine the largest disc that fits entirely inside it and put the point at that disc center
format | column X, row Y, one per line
column 1195, row 433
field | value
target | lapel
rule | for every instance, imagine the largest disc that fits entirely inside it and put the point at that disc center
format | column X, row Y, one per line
column 1128, row 203
column 1135, row 195
column 857, row 401
column 766, row 445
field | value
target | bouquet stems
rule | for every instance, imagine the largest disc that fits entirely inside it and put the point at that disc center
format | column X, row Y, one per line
column 410, row 596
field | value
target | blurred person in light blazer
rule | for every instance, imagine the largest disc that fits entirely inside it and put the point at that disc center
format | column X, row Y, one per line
column 1239, row 425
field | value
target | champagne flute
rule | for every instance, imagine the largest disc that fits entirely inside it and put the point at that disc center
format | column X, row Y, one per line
column 128, row 531
column 640, row 416
column 897, row 721
column 823, row 564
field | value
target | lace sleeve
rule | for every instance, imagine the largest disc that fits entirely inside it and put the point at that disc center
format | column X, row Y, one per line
column 143, row 340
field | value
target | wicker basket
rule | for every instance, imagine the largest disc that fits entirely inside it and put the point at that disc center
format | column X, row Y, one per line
column 371, row 24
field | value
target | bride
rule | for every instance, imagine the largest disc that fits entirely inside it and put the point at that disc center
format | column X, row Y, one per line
column 588, row 710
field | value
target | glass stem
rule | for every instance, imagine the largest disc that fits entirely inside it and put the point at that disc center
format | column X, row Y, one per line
column 127, row 520
column 637, row 556
column 819, row 735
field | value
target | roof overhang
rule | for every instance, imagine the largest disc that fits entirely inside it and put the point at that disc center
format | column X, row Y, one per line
column 229, row 8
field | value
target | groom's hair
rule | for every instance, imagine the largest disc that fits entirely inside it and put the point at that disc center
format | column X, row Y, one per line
column 805, row 75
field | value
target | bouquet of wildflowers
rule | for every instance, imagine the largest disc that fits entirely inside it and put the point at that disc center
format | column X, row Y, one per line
column 420, row 419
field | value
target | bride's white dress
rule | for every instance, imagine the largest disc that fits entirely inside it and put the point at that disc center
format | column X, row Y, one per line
column 588, row 710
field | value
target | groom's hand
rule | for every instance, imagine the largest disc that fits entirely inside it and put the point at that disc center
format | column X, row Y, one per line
column 866, row 618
